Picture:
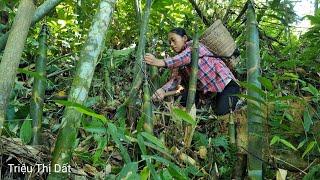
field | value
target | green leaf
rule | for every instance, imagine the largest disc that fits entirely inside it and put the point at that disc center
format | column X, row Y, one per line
column 220, row 141
column 287, row 143
column 184, row 116
column 301, row 143
column 102, row 142
column 309, row 148
column 112, row 130
column 274, row 140
column 266, row 83
column 311, row 89
column 93, row 125
column 82, row 109
column 307, row 121
column 128, row 171
column 153, row 139
column 174, row 170
column 144, row 152
column 26, row 131
column 252, row 98
column 253, row 88
column 145, row 173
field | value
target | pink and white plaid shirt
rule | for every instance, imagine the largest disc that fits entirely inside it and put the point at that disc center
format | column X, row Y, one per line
column 213, row 73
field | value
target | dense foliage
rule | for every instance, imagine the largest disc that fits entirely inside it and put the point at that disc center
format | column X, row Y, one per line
column 108, row 148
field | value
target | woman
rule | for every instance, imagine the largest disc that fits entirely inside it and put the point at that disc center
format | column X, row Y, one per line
column 213, row 75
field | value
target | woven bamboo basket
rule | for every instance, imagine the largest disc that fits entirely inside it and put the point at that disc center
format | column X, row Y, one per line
column 218, row 39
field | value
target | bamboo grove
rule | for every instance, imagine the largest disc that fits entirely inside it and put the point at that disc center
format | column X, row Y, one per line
column 76, row 93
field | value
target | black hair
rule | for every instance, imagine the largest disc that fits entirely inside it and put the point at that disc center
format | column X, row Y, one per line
column 180, row 31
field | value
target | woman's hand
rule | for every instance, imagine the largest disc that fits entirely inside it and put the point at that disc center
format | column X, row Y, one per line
column 158, row 95
column 153, row 61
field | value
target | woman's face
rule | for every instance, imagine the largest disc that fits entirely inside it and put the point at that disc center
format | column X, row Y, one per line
column 177, row 42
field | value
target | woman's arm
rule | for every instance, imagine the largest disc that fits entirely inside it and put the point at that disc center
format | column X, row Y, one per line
column 153, row 61
column 181, row 59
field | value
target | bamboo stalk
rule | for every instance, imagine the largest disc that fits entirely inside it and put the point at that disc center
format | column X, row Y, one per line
column 147, row 109
column 92, row 48
column 131, row 101
column 192, row 87
column 254, row 122
column 13, row 52
column 38, row 91
column 107, row 79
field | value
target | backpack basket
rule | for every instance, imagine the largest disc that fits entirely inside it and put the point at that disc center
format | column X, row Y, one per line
column 218, row 39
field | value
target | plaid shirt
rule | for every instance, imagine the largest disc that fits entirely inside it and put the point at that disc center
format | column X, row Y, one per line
column 213, row 74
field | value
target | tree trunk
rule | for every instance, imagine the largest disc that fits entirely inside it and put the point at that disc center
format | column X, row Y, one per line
column 40, row 12
column 39, row 87
column 80, row 87
column 138, row 66
column 254, row 121
column 137, row 6
column 12, row 54
column 192, row 86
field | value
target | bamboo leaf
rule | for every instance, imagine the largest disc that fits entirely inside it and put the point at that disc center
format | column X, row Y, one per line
column 26, row 131
column 266, row 83
column 82, row 109
column 184, row 116
column 311, row 89
column 274, row 140
column 301, row 143
column 153, row 139
column 307, row 121
column 174, row 170
column 309, row 148
column 112, row 130
column 253, row 88
column 128, row 171
column 287, row 143
column 145, row 173
column 144, row 152
column 252, row 98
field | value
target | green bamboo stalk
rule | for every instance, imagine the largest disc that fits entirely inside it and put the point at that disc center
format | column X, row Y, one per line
column 131, row 101
column 192, row 86
column 38, row 91
column 194, row 72
column 40, row 12
column 153, row 69
column 92, row 48
column 107, row 78
column 137, row 6
column 147, row 109
column 232, row 129
column 12, row 54
column 254, row 121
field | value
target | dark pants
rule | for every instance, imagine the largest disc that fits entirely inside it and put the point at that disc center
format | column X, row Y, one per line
column 222, row 103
